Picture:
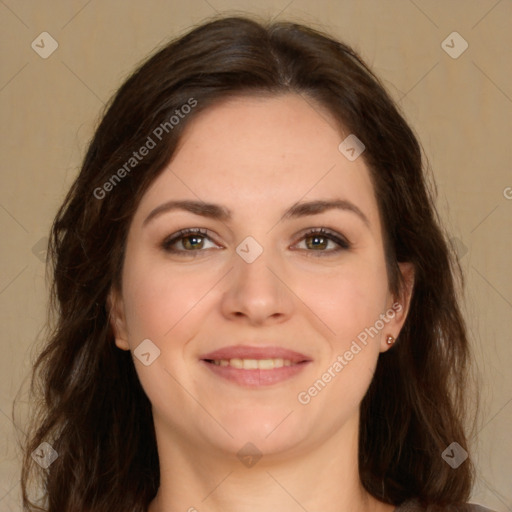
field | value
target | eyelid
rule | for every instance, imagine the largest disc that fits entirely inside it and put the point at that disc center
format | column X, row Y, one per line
column 340, row 240
column 184, row 233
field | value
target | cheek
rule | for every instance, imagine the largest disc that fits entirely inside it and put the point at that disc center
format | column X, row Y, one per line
column 159, row 303
column 164, row 307
column 350, row 302
column 348, row 298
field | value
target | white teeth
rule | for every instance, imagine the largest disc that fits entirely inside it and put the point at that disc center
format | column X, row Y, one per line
column 254, row 364
column 250, row 364
column 266, row 364
column 237, row 363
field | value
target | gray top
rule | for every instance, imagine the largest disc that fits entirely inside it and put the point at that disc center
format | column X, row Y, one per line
column 413, row 506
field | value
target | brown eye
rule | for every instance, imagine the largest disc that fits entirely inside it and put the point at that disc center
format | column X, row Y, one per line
column 318, row 241
column 192, row 242
column 187, row 241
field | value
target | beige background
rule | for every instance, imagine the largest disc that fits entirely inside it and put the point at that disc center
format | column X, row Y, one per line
column 461, row 109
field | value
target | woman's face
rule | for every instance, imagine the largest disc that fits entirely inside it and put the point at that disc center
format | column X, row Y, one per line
column 261, row 329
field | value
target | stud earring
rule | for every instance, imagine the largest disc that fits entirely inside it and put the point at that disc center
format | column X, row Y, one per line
column 390, row 340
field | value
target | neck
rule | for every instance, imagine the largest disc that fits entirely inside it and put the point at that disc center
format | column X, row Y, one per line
column 195, row 478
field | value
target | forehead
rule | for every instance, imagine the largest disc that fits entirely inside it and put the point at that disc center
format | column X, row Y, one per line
column 263, row 152
column 271, row 130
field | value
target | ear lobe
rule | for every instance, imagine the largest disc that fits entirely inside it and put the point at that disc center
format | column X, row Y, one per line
column 400, row 307
column 117, row 319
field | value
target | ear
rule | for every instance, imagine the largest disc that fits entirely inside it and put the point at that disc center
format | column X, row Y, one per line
column 117, row 319
column 399, row 307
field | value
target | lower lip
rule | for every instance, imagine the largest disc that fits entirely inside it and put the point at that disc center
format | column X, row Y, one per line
column 256, row 378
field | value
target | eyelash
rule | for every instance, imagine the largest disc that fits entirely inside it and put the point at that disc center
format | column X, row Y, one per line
column 342, row 242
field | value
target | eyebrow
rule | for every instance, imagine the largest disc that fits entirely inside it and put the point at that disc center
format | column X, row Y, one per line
column 218, row 212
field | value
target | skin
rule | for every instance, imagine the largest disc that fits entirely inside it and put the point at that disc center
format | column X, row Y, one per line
column 257, row 156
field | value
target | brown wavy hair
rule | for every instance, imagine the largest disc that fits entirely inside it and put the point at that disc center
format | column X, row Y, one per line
column 91, row 407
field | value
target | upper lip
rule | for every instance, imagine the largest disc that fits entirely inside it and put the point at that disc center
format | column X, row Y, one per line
column 248, row 352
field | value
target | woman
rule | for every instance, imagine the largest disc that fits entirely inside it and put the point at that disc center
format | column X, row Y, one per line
column 256, row 305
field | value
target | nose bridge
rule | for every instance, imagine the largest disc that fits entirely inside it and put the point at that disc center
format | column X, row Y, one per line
column 254, row 290
column 255, row 272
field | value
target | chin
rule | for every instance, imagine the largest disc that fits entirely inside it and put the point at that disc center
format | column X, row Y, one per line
column 271, row 431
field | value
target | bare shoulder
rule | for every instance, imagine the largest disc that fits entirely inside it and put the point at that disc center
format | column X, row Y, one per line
column 414, row 506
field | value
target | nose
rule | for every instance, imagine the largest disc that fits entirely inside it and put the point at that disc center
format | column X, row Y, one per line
column 257, row 292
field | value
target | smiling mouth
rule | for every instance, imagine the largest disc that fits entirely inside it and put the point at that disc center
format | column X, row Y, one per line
column 253, row 364
column 255, row 373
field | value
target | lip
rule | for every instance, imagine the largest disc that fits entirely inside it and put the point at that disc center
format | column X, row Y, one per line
column 256, row 378
column 248, row 352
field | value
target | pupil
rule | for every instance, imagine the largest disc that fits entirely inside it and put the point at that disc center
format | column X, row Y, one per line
column 316, row 240
column 192, row 240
